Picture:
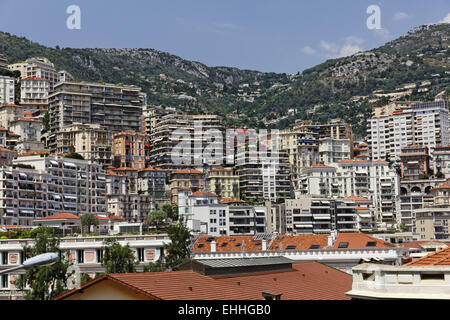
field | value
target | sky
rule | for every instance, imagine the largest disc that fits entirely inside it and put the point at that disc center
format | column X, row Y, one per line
column 284, row 36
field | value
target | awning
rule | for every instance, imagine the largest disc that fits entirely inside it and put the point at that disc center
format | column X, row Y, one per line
column 27, row 211
column 70, row 197
column 8, row 172
column 100, row 177
column 56, row 197
column 23, row 175
column 9, row 211
column 53, row 162
column 83, row 175
column 70, row 165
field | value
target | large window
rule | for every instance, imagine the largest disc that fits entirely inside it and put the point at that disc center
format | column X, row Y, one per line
column 140, row 254
column 80, row 256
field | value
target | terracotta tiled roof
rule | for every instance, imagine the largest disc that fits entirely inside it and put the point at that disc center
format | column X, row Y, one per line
column 359, row 241
column 439, row 258
column 320, row 166
column 443, row 186
column 221, row 170
column 356, row 198
column 35, row 78
column 418, row 244
column 353, row 160
column 125, row 169
column 301, row 242
column 7, row 150
column 305, row 281
column 152, row 169
column 31, row 154
column 228, row 200
column 3, row 129
column 188, row 171
column 11, row 227
column 61, row 215
column 202, row 193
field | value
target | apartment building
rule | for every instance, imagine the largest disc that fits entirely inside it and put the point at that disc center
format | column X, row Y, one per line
column 131, row 150
column 309, row 144
column 441, row 161
column 132, row 194
column 92, row 141
column 9, row 113
column 7, row 93
column 192, row 133
column 34, row 93
column 432, row 221
column 152, row 117
column 185, row 179
column 54, row 185
column 7, row 156
column 334, row 150
column 394, row 127
column 3, row 137
column 204, row 213
column 38, row 67
column 85, row 254
column 415, row 162
column 353, row 177
column 27, row 128
column 119, row 108
column 224, row 182
column 264, row 176
column 152, row 181
column 320, row 215
column 414, row 195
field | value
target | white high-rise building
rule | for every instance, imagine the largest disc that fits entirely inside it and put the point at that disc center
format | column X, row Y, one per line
column 353, row 177
column 395, row 127
column 6, row 90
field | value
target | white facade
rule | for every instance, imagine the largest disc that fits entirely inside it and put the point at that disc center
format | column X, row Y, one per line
column 54, row 185
column 372, row 180
column 424, row 124
column 6, row 90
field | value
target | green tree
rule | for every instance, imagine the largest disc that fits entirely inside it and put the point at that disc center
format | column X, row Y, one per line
column 156, row 217
column 45, row 282
column 177, row 251
column 118, row 258
column 46, row 122
column 158, row 266
column 171, row 211
column 85, row 278
column 74, row 155
column 88, row 220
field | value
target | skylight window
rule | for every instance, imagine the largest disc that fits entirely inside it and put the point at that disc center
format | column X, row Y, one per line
column 371, row 244
column 291, row 247
column 201, row 245
column 224, row 244
column 343, row 245
column 314, row 246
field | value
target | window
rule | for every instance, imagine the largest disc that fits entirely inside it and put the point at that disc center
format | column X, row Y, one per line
column 99, row 255
column 80, row 256
column 371, row 244
column 140, row 254
column 201, row 245
column 343, row 245
column 5, row 258
column 291, row 247
column 4, row 281
column 224, row 244
column 314, row 247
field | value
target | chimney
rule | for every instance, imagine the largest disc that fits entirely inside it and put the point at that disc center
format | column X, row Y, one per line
column 264, row 245
column 213, row 246
column 330, row 240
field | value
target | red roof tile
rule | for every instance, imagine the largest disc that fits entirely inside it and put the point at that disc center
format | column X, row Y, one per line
column 305, row 281
column 439, row 258
column 202, row 194
column 193, row 171
column 359, row 241
column 62, row 215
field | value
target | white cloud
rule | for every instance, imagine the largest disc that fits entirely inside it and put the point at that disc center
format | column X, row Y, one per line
column 330, row 47
column 308, row 50
column 351, row 46
column 446, row 19
column 401, row 16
